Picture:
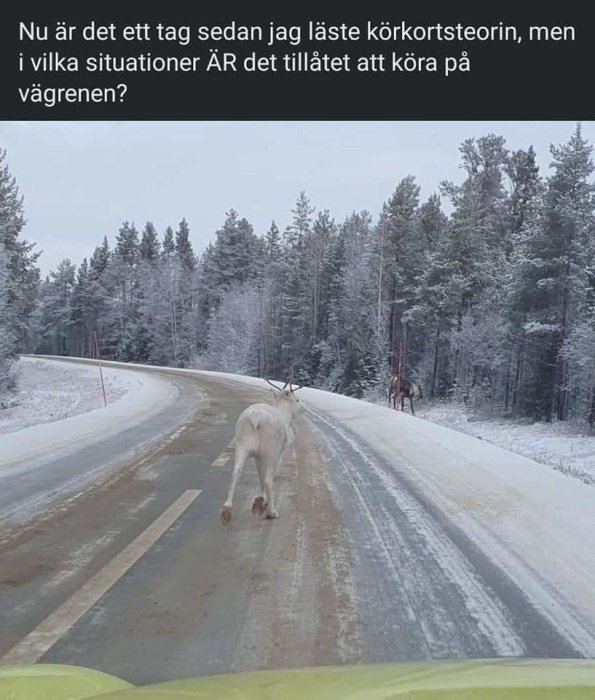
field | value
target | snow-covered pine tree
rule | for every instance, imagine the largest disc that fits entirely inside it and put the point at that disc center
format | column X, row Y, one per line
column 352, row 317
column 555, row 280
column 295, row 302
column 21, row 274
column 397, row 232
column 168, row 247
column 7, row 340
column 122, row 284
column 81, row 313
column 56, row 328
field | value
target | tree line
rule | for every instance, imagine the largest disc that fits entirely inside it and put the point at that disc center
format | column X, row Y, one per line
column 491, row 302
column 19, row 279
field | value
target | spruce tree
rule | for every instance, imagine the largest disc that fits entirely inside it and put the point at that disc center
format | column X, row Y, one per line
column 183, row 246
column 168, row 247
column 149, row 245
column 81, row 313
column 273, row 241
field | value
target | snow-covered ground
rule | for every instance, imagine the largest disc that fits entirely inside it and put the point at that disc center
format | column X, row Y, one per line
column 564, row 446
column 62, row 409
column 50, row 391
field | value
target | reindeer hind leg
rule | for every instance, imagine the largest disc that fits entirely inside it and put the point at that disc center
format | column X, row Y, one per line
column 226, row 510
column 270, row 512
column 259, row 503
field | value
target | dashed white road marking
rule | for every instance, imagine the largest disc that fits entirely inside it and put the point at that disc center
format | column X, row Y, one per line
column 220, row 418
column 56, row 625
column 222, row 460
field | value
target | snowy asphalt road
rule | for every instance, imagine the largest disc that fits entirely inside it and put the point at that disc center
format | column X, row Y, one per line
column 134, row 574
column 30, row 486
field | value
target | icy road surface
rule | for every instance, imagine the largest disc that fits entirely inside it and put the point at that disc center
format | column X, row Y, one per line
column 397, row 540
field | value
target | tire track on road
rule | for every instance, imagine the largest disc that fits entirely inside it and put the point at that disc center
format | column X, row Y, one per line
column 463, row 604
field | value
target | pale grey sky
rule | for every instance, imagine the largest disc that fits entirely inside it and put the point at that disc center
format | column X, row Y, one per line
column 81, row 180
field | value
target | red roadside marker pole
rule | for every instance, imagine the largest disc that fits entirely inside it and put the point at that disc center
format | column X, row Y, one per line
column 398, row 356
column 96, row 353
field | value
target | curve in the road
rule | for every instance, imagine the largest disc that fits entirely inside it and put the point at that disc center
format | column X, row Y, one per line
column 30, row 487
column 360, row 566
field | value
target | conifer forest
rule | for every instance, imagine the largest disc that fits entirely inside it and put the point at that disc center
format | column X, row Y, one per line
column 485, row 290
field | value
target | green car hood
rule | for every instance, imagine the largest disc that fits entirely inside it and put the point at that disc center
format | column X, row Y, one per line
column 500, row 679
column 53, row 682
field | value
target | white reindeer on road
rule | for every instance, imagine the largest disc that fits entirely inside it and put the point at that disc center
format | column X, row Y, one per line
column 264, row 432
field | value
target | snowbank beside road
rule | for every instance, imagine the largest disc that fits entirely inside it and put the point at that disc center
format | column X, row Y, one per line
column 559, row 445
column 51, row 391
column 141, row 395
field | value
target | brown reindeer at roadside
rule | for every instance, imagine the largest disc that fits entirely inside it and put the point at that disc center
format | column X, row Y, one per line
column 402, row 389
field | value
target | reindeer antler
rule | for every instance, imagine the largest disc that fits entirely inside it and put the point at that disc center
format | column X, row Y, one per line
column 268, row 381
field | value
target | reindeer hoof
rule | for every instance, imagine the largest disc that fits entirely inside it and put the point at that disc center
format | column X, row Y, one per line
column 225, row 515
column 258, row 505
column 271, row 514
